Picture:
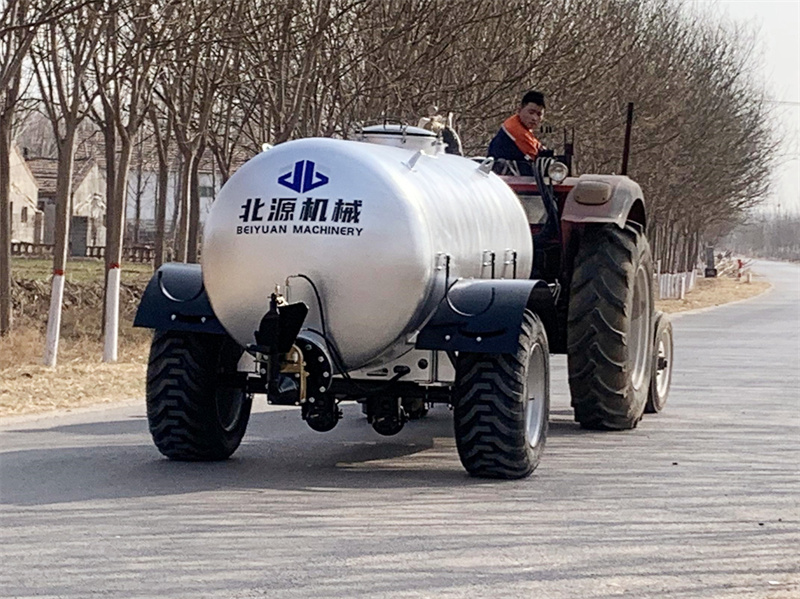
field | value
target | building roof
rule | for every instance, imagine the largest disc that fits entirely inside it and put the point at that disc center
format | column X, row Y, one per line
column 90, row 145
column 45, row 170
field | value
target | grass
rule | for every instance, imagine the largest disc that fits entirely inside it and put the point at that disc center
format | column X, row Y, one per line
column 79, row 378
column 78, row 270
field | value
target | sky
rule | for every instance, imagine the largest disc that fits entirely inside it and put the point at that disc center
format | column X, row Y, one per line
column 777, row 27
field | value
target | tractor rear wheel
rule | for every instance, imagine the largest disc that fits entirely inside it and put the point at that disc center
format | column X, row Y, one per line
column 502, row 406
column 193, row 415
column 609, row 330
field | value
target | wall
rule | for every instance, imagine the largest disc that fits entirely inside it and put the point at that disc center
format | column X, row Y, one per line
column 24, row 196
column 89, row 200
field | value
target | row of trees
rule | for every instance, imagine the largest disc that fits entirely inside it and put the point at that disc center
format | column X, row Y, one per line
column 203, row 76
column 773, row 235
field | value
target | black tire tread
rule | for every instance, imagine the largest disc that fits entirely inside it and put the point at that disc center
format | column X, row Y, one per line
column 597, row 350
column 181, row 388
column 489, row 416
column 656, row 404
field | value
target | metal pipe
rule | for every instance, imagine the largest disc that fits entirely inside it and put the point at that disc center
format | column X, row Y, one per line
column 626, row 150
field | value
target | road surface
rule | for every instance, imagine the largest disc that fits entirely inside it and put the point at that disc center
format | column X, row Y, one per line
column 700, row 501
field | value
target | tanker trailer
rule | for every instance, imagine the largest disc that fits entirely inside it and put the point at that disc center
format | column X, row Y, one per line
column 333, row 271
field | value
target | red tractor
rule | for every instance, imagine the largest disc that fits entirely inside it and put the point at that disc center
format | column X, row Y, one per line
column 590, row 242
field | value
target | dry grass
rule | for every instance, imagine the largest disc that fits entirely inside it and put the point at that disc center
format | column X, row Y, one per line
column 81, row 379
column 715, row 292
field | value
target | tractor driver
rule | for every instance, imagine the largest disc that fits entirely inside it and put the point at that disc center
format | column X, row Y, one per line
column 516, row 140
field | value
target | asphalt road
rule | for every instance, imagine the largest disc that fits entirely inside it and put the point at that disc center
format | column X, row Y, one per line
column 702, row 500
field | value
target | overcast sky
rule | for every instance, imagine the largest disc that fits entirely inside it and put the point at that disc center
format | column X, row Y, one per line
column 777, row 26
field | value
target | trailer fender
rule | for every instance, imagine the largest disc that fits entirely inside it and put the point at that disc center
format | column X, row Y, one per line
column 605, row 199
column 485, row 316
column 175, row 299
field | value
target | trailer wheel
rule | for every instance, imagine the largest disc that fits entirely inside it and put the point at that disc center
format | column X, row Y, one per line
column 662, row 364
column 193, row 415
column 502, row 405
column 609, row 328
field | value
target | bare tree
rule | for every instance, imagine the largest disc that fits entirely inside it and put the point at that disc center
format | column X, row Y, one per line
column 161, row 132
column 193, row 75
column 19, row 22
column 132, row 51
column 61, row 54
column 232, row 76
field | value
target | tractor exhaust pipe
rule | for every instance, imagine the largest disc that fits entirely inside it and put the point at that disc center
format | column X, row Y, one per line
column 626, row 149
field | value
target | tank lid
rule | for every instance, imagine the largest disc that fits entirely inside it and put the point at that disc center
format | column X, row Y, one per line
column 397, row 129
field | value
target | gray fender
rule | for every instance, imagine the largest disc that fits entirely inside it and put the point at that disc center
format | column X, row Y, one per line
column 485, row 316
column 175, row 299
column 605, row 199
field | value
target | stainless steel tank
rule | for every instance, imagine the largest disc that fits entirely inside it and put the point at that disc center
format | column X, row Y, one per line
column 373, row 227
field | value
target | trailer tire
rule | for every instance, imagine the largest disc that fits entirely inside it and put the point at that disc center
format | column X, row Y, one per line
column 192, row 417
column 609, row 328
column 661, row 379
column 501, row 406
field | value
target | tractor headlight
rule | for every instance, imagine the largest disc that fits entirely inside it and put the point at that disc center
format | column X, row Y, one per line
column 557, row 171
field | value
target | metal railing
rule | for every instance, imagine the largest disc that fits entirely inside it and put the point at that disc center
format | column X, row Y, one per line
column 142, row 254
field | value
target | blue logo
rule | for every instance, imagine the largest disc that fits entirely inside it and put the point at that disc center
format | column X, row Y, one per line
column 303, row 178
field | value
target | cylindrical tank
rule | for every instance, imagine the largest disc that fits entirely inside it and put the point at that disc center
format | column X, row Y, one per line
column 372, row 226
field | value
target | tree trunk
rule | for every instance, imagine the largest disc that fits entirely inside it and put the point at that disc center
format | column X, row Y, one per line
column 182, row 241
column 194, row 212
column 161, row 211
column 162, row 147
column 110, row 139
column 176, row 209
column 139, row 192
column 114, row 254
column 5, row 220
column 66, row 160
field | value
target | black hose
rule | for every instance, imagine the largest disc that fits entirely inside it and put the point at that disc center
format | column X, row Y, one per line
column 334, row 351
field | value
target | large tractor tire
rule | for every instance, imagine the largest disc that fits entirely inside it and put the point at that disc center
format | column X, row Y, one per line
column 609, row 328
column 192, row 416
column 502, row 406
column 661, row 379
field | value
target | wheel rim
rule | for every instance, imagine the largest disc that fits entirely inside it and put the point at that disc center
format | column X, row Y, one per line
column 230, row 403
column 640, row 329
column 536, row 396
column 663, row 364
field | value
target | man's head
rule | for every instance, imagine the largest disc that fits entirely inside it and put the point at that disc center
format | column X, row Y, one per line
column 531, row 110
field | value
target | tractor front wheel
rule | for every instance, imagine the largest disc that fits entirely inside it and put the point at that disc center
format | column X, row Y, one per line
column 662, row 364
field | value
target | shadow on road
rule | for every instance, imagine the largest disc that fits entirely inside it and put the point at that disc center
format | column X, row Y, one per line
column 112, row 460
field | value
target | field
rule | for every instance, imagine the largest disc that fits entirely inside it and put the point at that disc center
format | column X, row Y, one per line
column 81, row 379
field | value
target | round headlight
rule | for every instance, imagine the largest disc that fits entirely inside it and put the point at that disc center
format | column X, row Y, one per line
column 557, row 171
